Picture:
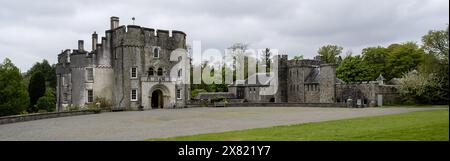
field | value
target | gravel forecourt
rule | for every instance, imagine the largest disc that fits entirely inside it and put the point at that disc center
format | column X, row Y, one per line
column 161, row 123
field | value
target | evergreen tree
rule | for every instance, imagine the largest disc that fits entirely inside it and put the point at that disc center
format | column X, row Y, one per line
column 36, row 89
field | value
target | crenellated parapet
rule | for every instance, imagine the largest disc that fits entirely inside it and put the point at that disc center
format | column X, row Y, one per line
column 137, row 36
column 304, row 63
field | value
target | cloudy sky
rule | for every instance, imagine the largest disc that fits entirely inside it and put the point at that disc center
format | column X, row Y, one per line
column 34, row 30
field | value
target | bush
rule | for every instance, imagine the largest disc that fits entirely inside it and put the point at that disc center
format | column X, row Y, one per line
column 195, row 92
column 93, row 107
column 72, row 107
column 104, row 103
column 219, row 99
column 46, row 103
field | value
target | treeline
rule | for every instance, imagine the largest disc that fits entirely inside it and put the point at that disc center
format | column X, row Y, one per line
column 421, row 70
column 31, row 92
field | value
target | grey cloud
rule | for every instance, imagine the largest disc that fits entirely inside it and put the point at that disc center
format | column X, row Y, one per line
column 33, row 30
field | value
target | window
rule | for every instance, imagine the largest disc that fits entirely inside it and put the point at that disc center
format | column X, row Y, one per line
column 160, row 72
column 62, row 82
column 178, row 93
column 156, row 52
column 133, row 72
column 90, row 96
column 134, row 95
column 90, row 74
column 151, row 72
column 180, row 73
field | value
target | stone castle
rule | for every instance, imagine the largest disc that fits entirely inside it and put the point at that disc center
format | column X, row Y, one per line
column 311, row 81
column 129, row 67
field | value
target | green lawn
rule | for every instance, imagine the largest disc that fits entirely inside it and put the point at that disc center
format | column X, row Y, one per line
column 425, row 125
column 417, row 106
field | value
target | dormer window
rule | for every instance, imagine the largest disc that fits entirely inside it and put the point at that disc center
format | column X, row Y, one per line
column 156, row 52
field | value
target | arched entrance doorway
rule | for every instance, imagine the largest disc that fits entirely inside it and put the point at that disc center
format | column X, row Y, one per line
column 157, row 99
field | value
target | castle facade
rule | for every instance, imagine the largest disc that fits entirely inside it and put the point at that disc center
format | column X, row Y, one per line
column 129, row 67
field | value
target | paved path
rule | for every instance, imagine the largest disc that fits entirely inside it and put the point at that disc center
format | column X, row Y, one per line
column 140, row 125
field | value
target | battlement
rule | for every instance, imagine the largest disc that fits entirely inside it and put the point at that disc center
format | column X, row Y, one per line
column 304, row 62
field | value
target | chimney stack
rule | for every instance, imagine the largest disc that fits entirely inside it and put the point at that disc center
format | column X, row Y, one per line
column 114, row 22
column 94, row 41
column 80, row 45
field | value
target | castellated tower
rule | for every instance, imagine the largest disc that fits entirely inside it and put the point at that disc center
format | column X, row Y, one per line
column 130, row 68
column 327, row 81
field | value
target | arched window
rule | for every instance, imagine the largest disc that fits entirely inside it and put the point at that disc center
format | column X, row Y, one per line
column 156, row 52
column 151, row 72
column 160, row 71
column 180, row 73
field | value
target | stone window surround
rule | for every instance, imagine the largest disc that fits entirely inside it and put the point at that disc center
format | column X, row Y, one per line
column 88, row 74
column 134, row 92
column 136, row 72
column 157, row 53
column 178, row 94
column 89, row 95
column 151, row 71
column 180, row 73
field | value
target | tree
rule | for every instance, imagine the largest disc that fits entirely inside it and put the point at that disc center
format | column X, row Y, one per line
column 402, row 58
column 353, row 69
column 13, row 93
column 330, row 54
column 436, row 46
column 436, row 42
column 47, row 70
column 416, row 87
column 298, row 57
column 375, row 57
column 48, row 101
column 36, row 89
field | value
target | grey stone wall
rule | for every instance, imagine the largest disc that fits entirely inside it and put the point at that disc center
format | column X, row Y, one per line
column 327, row 81
column 367, row 92
column 122, row 48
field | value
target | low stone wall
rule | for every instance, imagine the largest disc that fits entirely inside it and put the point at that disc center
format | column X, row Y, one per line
column 37, row 116
column 252, row 104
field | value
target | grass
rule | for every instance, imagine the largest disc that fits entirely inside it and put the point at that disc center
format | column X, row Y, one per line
column 417, row 106
column 430, row 125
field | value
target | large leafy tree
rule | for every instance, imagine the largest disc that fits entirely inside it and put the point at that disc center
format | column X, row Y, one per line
column 374, row 58
column 13, row 93
column 420, row 87
column 402, row 58
column 353, row 69
column 436, row 42
column 330, row 54
column 36, row 89
column 47, row 70
column 436, row 62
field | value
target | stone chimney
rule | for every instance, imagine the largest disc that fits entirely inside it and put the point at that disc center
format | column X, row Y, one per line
column 80, row 45
column 94, row 41
column 114, row 22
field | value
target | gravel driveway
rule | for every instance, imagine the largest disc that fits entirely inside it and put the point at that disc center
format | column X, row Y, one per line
column 140, row 125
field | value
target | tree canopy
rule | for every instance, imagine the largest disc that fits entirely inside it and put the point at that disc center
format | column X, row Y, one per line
column 330, row 54
column 13, row 94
